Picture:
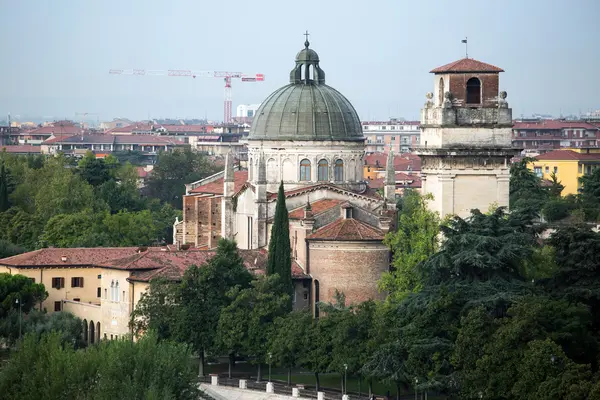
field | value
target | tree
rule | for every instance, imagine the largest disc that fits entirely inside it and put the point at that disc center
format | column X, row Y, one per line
column 156, row 311
column 4, row 202
column 287, row 340
column 280, row 258
column 8, row 249
column 481, row 247
column 45, row 368
column 94, row 170
column 526, row 191
column 246, row 324
column 173, row 171
column 413, row 243
column 69, row 326
column 22, row 288
column 202, row 295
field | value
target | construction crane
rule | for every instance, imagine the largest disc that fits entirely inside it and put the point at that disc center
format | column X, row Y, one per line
column 225, row 75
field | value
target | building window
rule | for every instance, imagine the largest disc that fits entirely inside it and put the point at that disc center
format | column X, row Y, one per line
column 547, row 169
column 77, row 282
column 57, row 305
column 366, row 127
column 473, row 91
column 393, row 138
column 106, row 293
column 99, row 293
column 339, row 170
column 112, row 290
column 76, row 299
column 556, row 170
column 99, row 276
column 305, row 170
column 117, row 291
column 538, row 171
column 393, row 128
column 580, row 169
column 323, row 171
column 58, row 283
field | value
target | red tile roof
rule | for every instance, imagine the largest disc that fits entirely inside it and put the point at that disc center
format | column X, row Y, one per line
column 74, row 256
column 216, row 187
column 57, row 130
column 347, row 229
column 553, row 125
column 466, row 65
column 565, row 155
column 22, row 149
column 318, row 207
column 402, row 180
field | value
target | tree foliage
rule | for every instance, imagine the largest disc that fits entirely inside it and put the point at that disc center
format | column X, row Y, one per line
column 280, row 253
column 412, row 243
column 45, row 368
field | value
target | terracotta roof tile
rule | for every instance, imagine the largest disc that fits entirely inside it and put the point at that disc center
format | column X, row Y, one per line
column 466, row 65
column 347, row 229
column 29, row 149
column 74, row 256
column 564, row 155
column 57, row 130
column 318, row 207
column 216, row 187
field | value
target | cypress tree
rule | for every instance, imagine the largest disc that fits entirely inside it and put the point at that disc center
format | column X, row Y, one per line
column 4, row 205
column 280, row 259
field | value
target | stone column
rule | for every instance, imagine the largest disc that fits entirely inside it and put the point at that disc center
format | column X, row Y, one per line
column 446, row 193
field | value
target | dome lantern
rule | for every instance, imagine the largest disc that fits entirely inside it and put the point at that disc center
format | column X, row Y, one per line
column 307, row 68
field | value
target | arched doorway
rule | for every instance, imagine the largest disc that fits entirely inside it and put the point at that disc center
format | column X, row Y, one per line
column 92, row 332
column 473, row 91
column 84, row 334
column 98, row 332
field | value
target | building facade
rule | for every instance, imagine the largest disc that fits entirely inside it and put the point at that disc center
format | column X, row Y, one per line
column 465, row 146
column 397, row 135
column 538, row 137
column 567, row 165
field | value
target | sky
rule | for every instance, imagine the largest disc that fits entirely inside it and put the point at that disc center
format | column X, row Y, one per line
column 56, row 54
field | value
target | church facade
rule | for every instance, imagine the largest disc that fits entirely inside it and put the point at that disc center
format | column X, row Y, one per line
column 308, row 136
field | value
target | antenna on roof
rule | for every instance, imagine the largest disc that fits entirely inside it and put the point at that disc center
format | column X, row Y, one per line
column 466, row 47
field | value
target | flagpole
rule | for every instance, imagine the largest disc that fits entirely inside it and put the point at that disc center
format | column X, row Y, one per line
column 466, row 47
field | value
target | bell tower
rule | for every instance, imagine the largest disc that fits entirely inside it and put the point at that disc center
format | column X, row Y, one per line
column 465, row 145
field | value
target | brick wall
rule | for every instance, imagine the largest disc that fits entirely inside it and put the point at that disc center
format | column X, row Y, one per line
column 489, row 88
column 351, row 267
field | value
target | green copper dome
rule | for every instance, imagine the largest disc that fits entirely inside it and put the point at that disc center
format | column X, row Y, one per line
column 306, row 109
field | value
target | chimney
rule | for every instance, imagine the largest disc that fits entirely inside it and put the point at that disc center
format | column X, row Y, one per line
column 346, row 211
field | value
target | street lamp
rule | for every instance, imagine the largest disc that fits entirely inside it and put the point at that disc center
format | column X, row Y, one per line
column 270, row 357
column 20, row 308
column 345, row 371
column 416, row 383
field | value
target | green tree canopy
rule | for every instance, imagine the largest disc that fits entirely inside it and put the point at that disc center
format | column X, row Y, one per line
column 280, row 253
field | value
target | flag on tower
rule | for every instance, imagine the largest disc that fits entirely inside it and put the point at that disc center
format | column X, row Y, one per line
column 464, row 41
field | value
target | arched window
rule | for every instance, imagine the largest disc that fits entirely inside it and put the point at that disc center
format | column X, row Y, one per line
column 323, row 172
column 441, row 92
column 117, row 291
column 98, row 332
column 272, row 170
column 473, row 91
column 85, row 331
column 305, row 170
column 92, row 332
column 339, row 170
column 112, row 290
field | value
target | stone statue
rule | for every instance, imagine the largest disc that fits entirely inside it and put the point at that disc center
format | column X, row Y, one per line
column 447, row 100
column 429, row 102
column 502, row 103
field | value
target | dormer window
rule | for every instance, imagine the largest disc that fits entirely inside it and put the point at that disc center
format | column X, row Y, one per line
column 474, row 91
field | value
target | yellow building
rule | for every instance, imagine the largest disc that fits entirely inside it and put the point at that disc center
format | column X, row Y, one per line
column 103, row 285
column 568, row 165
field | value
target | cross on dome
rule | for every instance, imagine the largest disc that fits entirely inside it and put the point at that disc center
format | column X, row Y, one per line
column 306, row 42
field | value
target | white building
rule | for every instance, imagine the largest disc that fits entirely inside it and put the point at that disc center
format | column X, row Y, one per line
column 246, row 110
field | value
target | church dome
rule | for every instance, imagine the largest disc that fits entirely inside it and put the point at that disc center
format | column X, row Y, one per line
column 306, row 109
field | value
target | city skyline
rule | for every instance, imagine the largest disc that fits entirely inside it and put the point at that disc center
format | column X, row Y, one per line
column 60, row 58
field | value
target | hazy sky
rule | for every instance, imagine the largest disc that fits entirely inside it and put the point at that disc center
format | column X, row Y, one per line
column 55, row 54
